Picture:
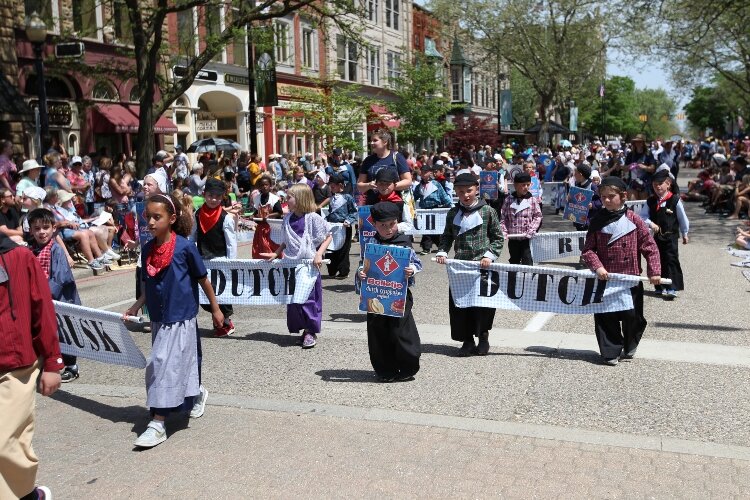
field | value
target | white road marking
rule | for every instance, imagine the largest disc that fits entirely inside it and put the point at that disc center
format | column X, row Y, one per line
column 538, row 321
column 117, row 304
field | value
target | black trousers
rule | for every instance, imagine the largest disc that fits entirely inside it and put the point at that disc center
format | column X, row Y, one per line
column 469, row 322
column 621, row 330
column 340, row 258
column 520, row 252
column 426, row 242
column 669, row 256
column 394, row 343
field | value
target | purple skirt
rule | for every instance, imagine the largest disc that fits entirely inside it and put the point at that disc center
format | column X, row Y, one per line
column 307, row 316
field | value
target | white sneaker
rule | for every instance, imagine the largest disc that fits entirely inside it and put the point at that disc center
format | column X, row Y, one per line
column 112, row 254
column 151, row 437
column 104, row 260
column 199, row 404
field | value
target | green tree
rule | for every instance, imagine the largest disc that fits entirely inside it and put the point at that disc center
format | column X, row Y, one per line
column 620, row 109
column 706, row 109
column 699, row 39
column 557, row 45
column 330, row 111
column 659, row 108
column 142, row 24
column 421, row 101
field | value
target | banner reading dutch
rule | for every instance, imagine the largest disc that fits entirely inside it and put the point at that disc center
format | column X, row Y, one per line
column 384, row 289
column 488, row 185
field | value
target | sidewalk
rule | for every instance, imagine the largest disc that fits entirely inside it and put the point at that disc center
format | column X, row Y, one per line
column 244, row 453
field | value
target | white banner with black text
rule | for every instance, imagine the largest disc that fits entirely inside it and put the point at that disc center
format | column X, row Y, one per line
column 338, row 233
column 543, row 289
column 95, row 334
column 258, row 282
column 429, row 221
column 553, row 246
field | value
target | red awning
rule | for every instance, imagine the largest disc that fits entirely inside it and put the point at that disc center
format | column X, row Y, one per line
column 386, row 118
column 114, row 119
column 163, row 125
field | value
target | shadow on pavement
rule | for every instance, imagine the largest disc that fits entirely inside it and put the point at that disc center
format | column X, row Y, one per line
column 340, row 288
column 348, row 318
column 136, row 415
column 362, row 376
column 452, row 351
column 279, row 339
column 592, row 357
column 694, row 326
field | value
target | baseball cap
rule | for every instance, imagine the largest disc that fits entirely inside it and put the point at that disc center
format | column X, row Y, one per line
column 76, row 159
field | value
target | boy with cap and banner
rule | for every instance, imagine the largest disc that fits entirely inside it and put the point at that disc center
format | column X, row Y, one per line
column 385, row 188
column 393, row 342
column 665, row 214
column 341, row 209
column 216, row 237
column 521, row 216
column 429, row 194
column 474, row 228
column 582, row 179
column 615, row 242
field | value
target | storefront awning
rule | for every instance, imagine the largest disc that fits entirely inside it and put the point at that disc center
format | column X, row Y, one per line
column 163, row 125
column 114, row 119
column 384, row 118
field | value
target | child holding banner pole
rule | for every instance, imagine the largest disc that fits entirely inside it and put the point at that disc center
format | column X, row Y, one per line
column 341, row 209
column 615, row 242
column 172, row 271
column 474, row 228
column 54, row 263
column 306, row 235
column 521, row 216
column 393, row 342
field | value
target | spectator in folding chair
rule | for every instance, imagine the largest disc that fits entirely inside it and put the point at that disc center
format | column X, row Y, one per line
column 85, row 239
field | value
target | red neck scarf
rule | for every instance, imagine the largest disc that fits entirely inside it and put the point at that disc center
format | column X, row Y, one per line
column 208, row 217
column 393, row 197
column 160, row 256
column 662, row 200
column 44, row 256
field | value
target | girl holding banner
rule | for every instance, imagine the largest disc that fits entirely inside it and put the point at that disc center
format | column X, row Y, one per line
column 616, row 240
column 306, row 235
column 172, row 271
column 474, row 227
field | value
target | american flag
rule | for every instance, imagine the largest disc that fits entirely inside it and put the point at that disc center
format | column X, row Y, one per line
column 601, row 90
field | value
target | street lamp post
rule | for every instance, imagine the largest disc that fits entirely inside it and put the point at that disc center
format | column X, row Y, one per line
column 500, row 87
column 36, row 32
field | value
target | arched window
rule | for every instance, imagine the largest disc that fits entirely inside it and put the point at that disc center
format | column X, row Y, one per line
column 55, row 87
column 181, row 102
column 135, row 94
column 103, row 92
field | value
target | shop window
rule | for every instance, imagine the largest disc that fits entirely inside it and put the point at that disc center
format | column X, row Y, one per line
column 182, row 140
column 180, row 118
column 56, row 87
column 226, row 123
column 103, row 92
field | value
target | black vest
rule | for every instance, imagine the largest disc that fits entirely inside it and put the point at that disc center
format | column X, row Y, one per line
column 213, row 243
column 670, row 226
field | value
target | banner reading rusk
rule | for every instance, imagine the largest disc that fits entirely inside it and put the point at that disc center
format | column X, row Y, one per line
column 338, row 233
column 429, row 221
column 553, row 246
column 532, row 288
column 384, row 289
column 577, row 208
column 258, row 282
column 98, row 335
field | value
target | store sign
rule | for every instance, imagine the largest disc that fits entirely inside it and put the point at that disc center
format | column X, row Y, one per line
column 204, row 74
column 236, row 80
column 59, row 113
column 207, row 126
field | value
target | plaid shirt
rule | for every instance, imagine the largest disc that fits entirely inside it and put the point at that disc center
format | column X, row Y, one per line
column 476, row 242
column 526, row 221
column 624, row 255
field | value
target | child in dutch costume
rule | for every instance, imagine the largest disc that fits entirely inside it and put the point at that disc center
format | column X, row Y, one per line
column 429, row 194
column 615, row 242
column 341, row 209
column 267, row 206
column 521, row 215
column 393, row 342
column 474, row 228
column 172, row 272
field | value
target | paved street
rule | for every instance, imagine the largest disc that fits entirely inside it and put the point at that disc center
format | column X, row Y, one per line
column 539, row 417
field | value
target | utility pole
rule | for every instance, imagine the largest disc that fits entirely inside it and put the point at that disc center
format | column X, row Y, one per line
column 251, row 115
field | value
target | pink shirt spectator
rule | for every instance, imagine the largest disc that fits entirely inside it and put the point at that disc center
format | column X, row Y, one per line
column 7, row 168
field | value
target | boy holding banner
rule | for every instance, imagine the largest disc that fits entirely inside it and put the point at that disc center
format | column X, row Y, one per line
column 216, row 237
column 54, row 263
column 616, row 240
column 522, row 217
column 475, row 229
column 393, row 342
column 341, row 209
